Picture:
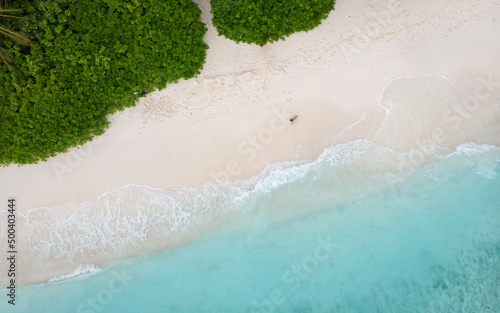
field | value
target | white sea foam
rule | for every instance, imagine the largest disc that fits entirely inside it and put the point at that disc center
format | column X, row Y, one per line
column 280, row 174
column 132, row 216
column 484, row 159
column 80, row 270
column 138, row 219
column 473, row 149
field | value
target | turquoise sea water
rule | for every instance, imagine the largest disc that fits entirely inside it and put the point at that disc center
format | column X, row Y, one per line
column 422, row 240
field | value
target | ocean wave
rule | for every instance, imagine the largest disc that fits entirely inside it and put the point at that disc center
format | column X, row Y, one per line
column 130, row 213
column 484, row 159
column 134, row 215
column 137, row 219
column 280, row 174
column 131, row 216
column 80, row 270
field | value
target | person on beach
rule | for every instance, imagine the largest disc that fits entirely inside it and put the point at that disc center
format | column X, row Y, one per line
column 293, row 119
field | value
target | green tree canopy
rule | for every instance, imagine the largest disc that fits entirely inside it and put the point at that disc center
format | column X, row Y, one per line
column 7, row 14
column 262, row 21
column 88, row 59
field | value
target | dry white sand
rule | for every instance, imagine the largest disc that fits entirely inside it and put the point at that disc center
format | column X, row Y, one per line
column 232, row 119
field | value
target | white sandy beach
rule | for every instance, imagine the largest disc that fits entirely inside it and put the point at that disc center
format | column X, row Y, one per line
column 232, row 120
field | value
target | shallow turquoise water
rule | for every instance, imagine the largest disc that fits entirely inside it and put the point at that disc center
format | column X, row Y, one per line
column 430, row 243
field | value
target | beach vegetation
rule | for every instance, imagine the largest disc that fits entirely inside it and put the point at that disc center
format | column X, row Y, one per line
column 86, row 60
column 263, row 21
column 8, row 33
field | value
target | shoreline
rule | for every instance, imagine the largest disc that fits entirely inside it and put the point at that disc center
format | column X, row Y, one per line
column 344, row 85
column 52, row 239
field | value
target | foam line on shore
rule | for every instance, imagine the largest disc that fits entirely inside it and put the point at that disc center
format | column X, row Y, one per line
column 82, row 269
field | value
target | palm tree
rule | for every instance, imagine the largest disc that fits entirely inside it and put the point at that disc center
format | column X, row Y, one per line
column 5, row 32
